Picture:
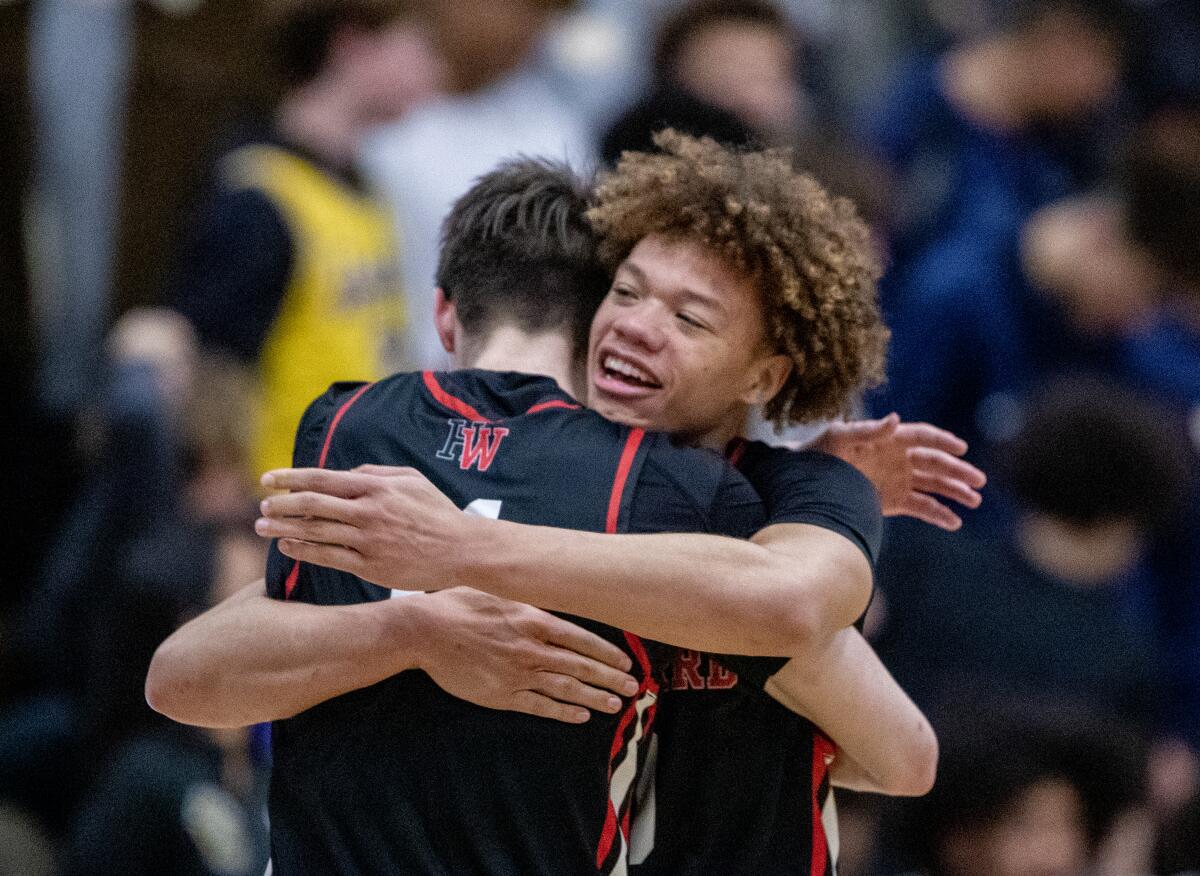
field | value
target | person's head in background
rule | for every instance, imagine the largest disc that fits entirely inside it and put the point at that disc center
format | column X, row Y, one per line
column 1115, row 259
column 347, row 65
column 484, row 40
column 1024, row 788
column 518, row 263
column 738, row 283
column 739, row 55
column 1051, row 62
column 1077, row 251
column 1163, row 203
column 1096, row 472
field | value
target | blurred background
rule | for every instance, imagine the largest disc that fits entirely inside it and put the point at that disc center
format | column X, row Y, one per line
column 198, row 194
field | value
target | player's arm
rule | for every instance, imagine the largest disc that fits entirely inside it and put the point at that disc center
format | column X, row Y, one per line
column 794, row 585
column 253, row 658
column 885, row 744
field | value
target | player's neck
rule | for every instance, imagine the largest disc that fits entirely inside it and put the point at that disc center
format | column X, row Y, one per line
column 718, row 438
column 510, row 349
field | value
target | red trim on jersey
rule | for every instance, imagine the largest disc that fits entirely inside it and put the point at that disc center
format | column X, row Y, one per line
column 608, row 834
column 553, row 403
column 293, row 576
column 622, row 475
column 735, row 451
column 337, row 418
column 290, row 583
column 822, row 750
column 447, row 400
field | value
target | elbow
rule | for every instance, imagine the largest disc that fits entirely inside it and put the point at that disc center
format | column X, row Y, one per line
column 798, row 627
column 917, row 771
column 175, row 690
column 164, row 683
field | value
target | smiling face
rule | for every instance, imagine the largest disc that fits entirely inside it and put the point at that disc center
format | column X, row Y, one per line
column 679, row 344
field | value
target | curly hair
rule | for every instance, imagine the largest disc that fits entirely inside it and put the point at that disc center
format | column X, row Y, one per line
column 808, row 253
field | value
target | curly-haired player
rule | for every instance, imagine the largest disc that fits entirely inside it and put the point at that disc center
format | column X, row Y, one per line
column 808, row 255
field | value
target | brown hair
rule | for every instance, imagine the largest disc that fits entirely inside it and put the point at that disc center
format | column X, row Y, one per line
column 808, row 253
column 518, row 250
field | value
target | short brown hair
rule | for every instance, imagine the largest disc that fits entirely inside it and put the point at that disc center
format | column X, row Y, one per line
column 517, row 250
column 808, row 253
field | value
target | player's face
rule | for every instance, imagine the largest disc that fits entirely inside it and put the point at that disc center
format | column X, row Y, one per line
column 679, row 344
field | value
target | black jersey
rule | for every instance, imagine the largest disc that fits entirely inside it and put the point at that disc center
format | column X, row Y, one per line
column 401, row 777
column 741, row 783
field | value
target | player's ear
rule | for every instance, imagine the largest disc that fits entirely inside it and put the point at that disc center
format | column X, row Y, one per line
column 767, row 378
column 445, row 317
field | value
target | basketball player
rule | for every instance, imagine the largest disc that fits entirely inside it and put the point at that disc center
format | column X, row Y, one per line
column 472, row 444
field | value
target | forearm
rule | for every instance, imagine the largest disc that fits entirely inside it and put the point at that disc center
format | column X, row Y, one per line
column 702, row 592
column 253, row 659
column 846, row 691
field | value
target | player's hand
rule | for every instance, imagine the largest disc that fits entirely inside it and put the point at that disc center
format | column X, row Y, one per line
column 912, row 465
column 506, row 655
column 386, row 524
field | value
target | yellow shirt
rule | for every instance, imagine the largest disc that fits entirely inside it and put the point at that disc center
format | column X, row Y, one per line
column 342, row 314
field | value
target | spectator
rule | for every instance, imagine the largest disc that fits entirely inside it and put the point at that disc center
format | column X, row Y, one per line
column 504, row 103
column 1163, row 358
column 289, row 265
column 1024, row 788
column 166, row 797
column 137, row 509
column 1095, row 474
column 1126, row 269
column 979, row 139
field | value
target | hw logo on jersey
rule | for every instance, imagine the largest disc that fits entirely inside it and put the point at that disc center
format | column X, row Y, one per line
column 473, row 445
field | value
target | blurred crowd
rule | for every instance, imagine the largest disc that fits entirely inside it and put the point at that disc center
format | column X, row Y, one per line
column 214, row 209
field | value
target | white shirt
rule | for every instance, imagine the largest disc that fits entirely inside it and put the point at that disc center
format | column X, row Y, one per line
column 421, row 164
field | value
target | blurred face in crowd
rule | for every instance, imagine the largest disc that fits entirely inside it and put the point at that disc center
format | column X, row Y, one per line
column 1071, row 67
column 483, row 39
column 389, row 70
column 1078, row 251
column 1041, row 833
column 747, row 69
column 679, row 344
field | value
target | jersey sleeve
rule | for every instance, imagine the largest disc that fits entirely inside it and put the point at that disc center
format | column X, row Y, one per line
column 817, row 489
column 306, row 453
column 232, row 271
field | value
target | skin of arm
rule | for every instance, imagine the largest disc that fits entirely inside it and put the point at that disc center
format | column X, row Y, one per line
column 786, row 590
column 885, row 745
column 910, row 464
column 783, row 593
column 794, row 591
column 252, row 658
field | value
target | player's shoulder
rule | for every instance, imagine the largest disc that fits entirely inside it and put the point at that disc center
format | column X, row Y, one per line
column 696, row 465
column 815, row 488
column 758, row 460
column 701, row 477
